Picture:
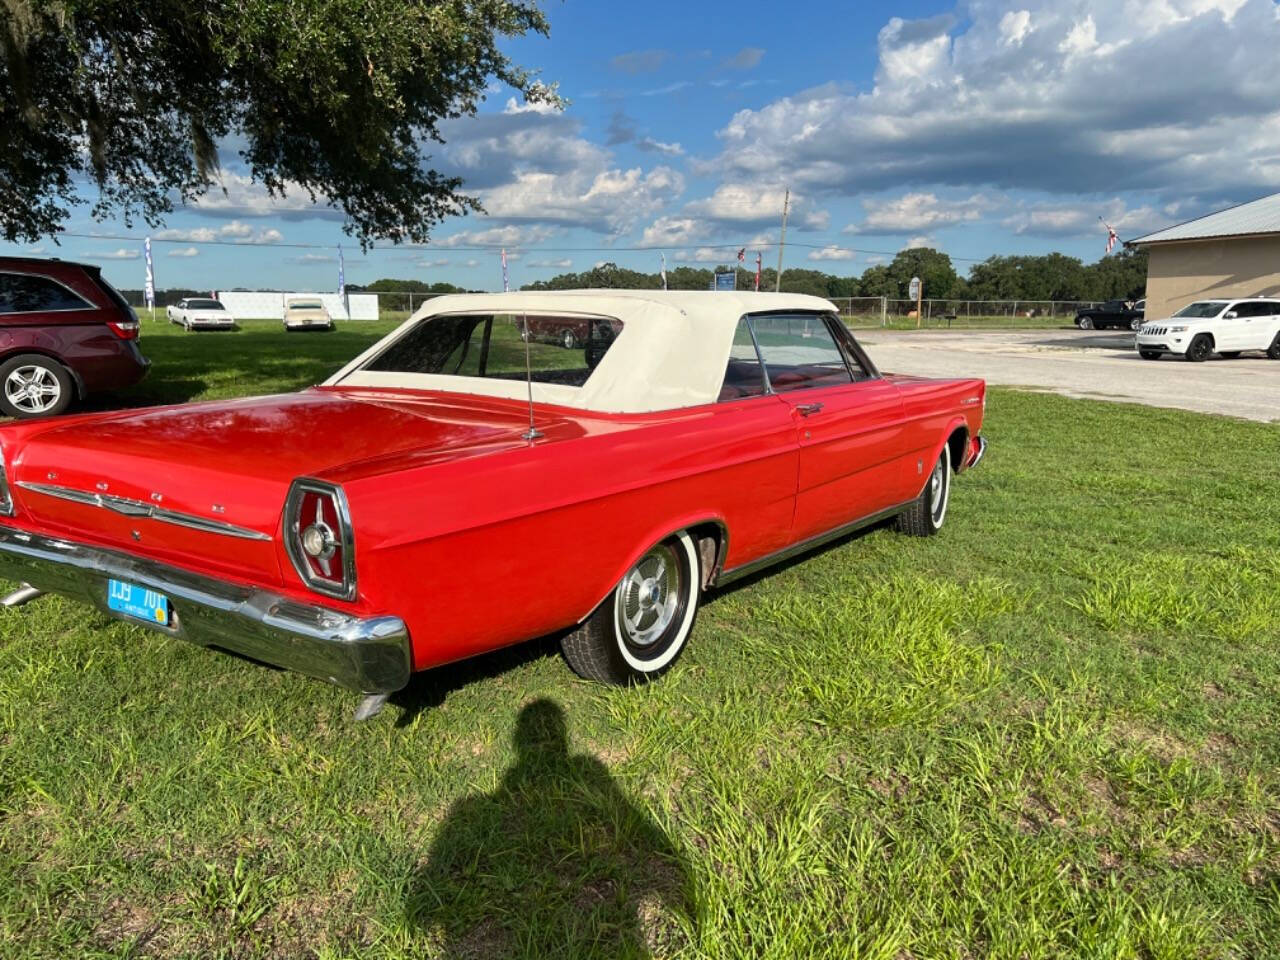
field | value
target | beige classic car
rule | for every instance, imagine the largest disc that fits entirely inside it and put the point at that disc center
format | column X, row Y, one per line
column 306, row 313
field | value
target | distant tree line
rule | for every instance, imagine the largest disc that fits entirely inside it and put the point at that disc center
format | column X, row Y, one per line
column 1053, row 276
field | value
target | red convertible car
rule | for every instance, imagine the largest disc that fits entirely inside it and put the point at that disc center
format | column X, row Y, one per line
column 456, row 488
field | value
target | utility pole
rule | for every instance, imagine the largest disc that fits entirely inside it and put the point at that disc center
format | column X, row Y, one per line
column 786, row 205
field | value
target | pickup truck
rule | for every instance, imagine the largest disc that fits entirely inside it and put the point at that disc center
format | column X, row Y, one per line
column 1122, row 314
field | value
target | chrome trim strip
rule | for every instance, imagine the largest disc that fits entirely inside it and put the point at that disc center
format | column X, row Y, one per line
column 364, row 654
column 137, row 508
column 812, row 543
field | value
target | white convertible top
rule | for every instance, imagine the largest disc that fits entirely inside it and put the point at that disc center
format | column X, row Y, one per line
column 671, row 353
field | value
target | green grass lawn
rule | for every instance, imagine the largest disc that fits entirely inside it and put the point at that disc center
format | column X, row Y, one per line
column 1050, row 731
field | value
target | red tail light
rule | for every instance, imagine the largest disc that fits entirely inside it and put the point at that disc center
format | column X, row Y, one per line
column 319, row 538
column 124, row 329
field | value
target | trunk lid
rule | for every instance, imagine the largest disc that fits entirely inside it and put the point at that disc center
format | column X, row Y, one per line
column 204, row 485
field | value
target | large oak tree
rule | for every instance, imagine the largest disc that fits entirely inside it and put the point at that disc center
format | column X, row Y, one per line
column 337, row 97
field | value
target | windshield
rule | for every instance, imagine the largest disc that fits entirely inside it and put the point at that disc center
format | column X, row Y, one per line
column 1201, row 308
column 305, row 305
column 561, row 349
column 204, row 305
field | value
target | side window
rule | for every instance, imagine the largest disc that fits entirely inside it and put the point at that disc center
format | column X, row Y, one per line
column 21, row 293
column 1243, row 309
column 743, row 376
column 799, row 352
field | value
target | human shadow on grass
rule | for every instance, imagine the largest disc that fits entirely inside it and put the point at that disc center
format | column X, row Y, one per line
column 555, row 861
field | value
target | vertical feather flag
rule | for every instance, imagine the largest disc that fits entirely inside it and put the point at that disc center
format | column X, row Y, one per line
column 506, row 283
column 664, row 270
column 342, row 279
column 149, row 290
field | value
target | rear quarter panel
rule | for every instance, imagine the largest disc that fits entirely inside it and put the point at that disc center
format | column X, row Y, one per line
column 932, row 411
column 483, row 552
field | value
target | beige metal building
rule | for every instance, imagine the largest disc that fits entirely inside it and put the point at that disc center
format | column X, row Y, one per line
column 1231, row 253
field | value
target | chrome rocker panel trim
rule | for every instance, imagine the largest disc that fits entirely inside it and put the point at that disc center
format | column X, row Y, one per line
column 812, row 543
column 368, row 655
column 139, row 508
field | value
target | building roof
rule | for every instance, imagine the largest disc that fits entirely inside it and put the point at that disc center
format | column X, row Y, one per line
column 1245, row 219
column 671, row 353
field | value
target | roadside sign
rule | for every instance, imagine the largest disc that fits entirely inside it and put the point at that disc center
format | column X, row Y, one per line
column 727, row 280
column 914, row 292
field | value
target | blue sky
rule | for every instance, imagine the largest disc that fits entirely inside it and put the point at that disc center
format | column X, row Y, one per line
column 988, row 127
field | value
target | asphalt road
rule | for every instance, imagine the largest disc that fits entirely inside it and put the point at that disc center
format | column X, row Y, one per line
column 1084, row 363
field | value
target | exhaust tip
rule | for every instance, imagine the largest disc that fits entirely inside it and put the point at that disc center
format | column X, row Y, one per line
column 24, row 594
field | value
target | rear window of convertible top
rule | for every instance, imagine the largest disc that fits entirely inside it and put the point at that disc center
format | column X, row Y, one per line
column 561, row 349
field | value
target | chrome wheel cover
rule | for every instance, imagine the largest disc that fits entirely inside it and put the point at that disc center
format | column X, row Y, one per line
column 648, row 597
column 32, row 388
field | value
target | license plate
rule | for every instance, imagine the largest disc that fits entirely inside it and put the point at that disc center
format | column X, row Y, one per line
column 136, row 601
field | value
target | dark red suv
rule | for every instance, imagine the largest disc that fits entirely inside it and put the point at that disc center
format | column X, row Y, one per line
column 64, row 333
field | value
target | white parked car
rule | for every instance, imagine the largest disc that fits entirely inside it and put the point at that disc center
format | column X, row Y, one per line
column 306, row 313
column 200, row 313
column 1225, row 327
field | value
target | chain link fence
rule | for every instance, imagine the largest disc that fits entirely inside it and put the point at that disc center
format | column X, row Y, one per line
column 856, row 311
column 889, row 311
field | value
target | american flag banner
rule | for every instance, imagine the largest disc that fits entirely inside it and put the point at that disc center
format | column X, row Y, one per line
column 1111, row 236
column 742, row 254
column 664, row 270
column 758, row 270
column 506, row 283
column 149, row 288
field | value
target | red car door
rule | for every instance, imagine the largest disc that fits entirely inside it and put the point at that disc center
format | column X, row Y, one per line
column 848, row 423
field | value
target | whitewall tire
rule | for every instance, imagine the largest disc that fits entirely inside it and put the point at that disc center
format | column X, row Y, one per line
column 928, row 511
column 641, row 628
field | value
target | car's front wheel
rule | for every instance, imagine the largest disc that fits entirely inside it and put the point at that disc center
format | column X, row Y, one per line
column 642, row 626
column 568, row 339
column 32, row 385
column 1201, row 348
column 1084, row 323
column 926, row 514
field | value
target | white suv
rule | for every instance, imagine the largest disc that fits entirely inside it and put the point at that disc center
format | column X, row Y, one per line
column 1225, row 327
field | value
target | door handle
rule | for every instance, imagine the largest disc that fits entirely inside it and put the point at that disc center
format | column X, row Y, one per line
column 809, row 409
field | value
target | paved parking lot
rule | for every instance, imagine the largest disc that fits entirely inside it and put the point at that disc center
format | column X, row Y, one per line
column 1080, row 363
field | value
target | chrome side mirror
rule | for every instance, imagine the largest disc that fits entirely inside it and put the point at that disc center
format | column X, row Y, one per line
column 1230, row 315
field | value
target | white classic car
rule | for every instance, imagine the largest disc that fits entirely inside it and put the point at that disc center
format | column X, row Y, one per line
column 200, row 313
column 1205, row 327
column 306, row 313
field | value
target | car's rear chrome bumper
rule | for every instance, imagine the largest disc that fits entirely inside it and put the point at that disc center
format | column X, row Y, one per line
column 367, row 655
column 977, row 450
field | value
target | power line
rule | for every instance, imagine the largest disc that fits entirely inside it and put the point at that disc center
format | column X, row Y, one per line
column 494, row 248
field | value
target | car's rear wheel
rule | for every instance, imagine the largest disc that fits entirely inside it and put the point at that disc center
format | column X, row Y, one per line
column 1135, row 324
column 1149, row 354
column 1084, row 323
column 1201, row 348
column 1230, row 354
column 32, row 385
column 927, row 513
column 568, row 339
column 1273, row 351
column 642, row 626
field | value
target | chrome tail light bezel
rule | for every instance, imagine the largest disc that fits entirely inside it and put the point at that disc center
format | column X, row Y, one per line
column 345, row 537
